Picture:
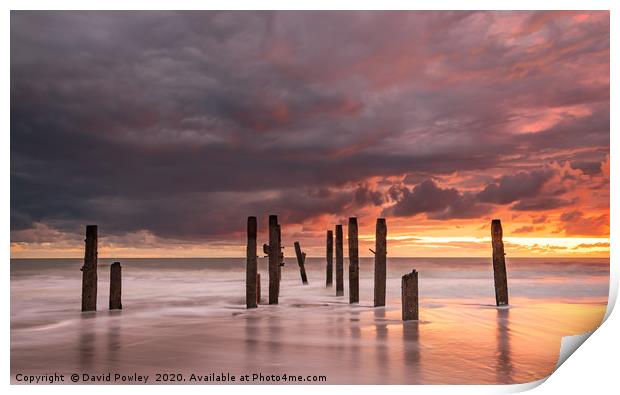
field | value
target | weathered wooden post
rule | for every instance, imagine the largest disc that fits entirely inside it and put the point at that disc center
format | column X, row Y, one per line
column 301, row 260
column 251, row 268
column 274, row 260
column 354, row 267
column 380, row 261
column 330, row 258
column 281, row 257
column 257, row 288
column 89, row 270
column 115, row 286
column 410, row 296
column 339, row 262
column 499, row 264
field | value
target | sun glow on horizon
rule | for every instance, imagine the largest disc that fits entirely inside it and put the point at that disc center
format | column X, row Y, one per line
column 399, row 245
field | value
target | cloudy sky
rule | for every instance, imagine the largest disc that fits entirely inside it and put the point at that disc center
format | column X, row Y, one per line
column 169, row 129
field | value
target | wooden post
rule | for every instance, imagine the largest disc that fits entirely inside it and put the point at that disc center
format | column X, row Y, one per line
column 115, row 286
column 257, row 288
column 280, row 257
column 251, row 268
column 354, row 264
column 339, row 262
column 380, row 261
column 301, row 260
column 410, row 296
column 274, row 260
column 499, row 264
column 330, row 258
column 89, row 270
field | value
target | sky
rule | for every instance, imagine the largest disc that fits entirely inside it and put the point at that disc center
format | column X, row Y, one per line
column 168, row 130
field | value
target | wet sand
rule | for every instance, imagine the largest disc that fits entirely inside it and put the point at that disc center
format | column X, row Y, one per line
column 188, row 316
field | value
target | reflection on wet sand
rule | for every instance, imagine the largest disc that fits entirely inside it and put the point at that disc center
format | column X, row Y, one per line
column 252, row 339
column 274, row 340
column 411, row 350
column 356, row 335
column 86, row 346
column 504, row 358
column 382, row 351
column 114, row 337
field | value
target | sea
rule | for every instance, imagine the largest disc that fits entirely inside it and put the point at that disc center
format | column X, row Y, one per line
column 184, row 321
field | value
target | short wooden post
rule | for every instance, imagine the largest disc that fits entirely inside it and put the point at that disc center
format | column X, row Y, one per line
column 89, row 270
column 354, row 268
column 301, row 260
column 410, row 296
column 251, row 268
column 115, row 286
column 339, row 262
column 274, row 260
column 380, row 261
column 257, row 288
column 330, row 258
column 499, row 264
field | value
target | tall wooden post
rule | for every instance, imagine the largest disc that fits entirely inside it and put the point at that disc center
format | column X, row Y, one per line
column 89, row 270
column 280, row 257
column 499, row 264
column 380, row 261
column 354, row 268
column 115, row 286
column 301, row 260
column 274, row 260
column 339, row 262
column 330, row 258
column 410, row 296
column 251, row 268
column 257, row 288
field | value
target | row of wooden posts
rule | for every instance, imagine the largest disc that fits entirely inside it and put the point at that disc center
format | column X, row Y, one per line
column 274, row 248
column 409, row 284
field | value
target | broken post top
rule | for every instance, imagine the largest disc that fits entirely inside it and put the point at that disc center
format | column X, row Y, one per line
column 273, row 220
column 381, row 237
column 298, row 251
column 91, row 231
column 352, row 229
column 496, row 228
column 414, row 273
column 252, row 227
column 330, row 233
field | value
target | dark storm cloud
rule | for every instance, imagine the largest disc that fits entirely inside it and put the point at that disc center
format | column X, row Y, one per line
column 423, row 198
column 587, row 167
column 541, row 204
column 511, row 188
column 182, row 123
column 366, row 196
column 436, row 202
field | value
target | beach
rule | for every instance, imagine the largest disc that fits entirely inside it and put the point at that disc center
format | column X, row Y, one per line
column 187, row 316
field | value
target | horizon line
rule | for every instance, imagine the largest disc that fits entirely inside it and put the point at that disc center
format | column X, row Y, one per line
column 346, row 257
